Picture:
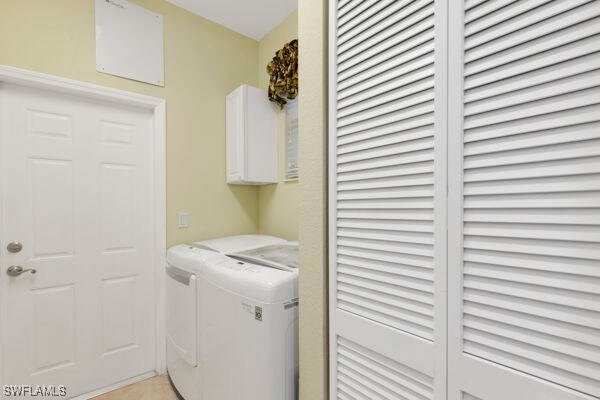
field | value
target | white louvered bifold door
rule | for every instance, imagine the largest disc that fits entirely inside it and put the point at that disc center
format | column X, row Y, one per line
column 524, row 210
column 388, row 199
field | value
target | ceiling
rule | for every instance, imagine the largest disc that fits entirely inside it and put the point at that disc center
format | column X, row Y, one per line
column 252, row 18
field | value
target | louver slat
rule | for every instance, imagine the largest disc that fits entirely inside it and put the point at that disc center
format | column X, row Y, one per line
column 486, row 8
column 543, row 36
column 383, row 30
column 385, row 164
column 531, row 187
column 366, row 373
column 467, row 396
column 360, row 21
column 519, row 15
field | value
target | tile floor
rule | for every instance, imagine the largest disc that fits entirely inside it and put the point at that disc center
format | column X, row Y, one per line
column 157, row 388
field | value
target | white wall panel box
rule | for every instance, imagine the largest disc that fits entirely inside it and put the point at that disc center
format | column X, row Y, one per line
column 129, row 41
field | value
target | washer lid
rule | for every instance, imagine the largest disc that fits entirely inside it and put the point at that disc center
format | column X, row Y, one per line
column 190, row 258
column 282, row 256
column 249, row 280
column 238, row 243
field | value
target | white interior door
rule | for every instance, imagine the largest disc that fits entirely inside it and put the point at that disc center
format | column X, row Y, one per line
column 525, row 200
column 388, row 199
column 77, row 179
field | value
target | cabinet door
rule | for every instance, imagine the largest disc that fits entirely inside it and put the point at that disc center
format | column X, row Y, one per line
column 388, row 199
column 261, row 137
column 524, row 238
column 235, row 134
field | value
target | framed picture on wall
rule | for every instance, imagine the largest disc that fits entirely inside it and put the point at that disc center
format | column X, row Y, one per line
column 291, row 140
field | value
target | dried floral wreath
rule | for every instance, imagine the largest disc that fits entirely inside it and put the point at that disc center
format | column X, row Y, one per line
column 283, row 70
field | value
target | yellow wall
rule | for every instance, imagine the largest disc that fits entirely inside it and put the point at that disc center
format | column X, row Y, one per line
column 312, row 29
column 203, row 63
column 278, row 203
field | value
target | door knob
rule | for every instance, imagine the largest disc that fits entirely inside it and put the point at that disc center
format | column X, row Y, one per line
column 16, row 270
column 14, row 247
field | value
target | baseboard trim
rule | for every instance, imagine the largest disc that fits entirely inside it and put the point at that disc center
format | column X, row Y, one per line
column 115, row 386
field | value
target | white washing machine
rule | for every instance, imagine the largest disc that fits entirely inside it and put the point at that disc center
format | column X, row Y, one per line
column 232, row 319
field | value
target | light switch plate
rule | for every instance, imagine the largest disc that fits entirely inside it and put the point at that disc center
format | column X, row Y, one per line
column 184, row 220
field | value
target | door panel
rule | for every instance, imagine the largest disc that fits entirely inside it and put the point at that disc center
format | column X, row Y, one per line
column 124, row 246
column 54, row 328
column 524, row 201
column 387, row 200
column 52, row 189
column 78, row 195
column 40, row 205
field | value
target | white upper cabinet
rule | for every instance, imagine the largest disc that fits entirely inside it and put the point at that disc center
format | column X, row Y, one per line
column 251, row 137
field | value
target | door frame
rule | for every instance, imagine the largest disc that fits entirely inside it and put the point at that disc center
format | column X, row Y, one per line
column 25, row 78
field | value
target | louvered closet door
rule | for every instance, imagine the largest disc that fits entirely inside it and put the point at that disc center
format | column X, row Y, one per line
column 387, row 199
column 524, row 211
